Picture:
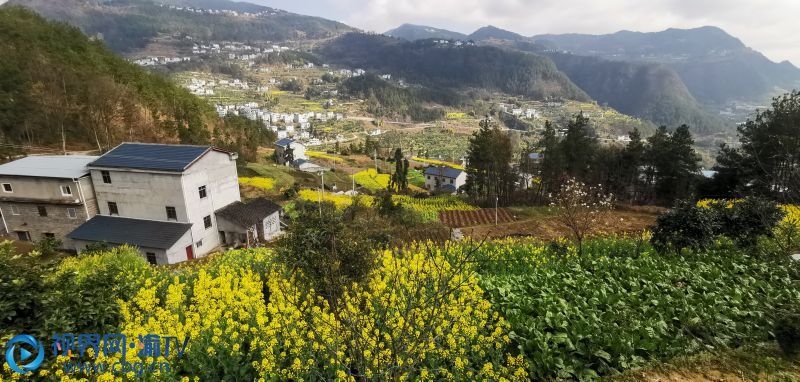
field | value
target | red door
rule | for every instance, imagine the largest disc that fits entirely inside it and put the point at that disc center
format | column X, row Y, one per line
column 189, row 253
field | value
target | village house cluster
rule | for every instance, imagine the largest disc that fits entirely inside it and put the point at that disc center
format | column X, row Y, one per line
column 173, row 202
column 285, row 125
column 225, row 12
column 528, row 113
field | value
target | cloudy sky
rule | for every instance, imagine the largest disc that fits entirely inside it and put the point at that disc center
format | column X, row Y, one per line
column 769, row 26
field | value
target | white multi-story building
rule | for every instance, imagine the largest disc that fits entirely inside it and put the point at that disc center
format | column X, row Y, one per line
column 164, row 200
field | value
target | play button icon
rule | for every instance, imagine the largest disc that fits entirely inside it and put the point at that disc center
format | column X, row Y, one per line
column 24, row 354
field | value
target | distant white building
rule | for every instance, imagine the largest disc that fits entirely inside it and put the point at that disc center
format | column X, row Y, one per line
column 298, row 150
column 444, row 179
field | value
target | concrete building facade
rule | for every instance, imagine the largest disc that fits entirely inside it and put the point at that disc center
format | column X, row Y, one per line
column 43, row 196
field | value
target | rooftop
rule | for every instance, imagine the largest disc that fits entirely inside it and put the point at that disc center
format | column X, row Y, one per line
column 284, row 142
column 138, row 232
column 248, row 214
column 49, row 166
column 447, row 172
column 151, row 156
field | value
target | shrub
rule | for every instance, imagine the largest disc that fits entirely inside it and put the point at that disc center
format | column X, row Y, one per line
column 21, row 292
column 47, row 246
column 685, row 226
column 787, row 333
column 747, row 220
column 326, row 254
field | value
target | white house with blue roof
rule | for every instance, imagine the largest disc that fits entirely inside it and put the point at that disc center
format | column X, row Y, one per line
column 161, row 198
column 444, row 179
column 298, row 150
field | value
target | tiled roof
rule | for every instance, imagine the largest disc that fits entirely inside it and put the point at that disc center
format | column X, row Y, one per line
column 138, row 232
column 248, row 214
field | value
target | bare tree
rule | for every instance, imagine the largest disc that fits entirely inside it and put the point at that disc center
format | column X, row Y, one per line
column 581, row 208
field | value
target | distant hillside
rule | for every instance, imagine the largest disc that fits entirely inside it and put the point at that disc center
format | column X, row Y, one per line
column 384, row 99
column 412, row 32
column 647, row 90
column 446, row 65
column 55, row 82
column 715, row 66
column 494, row 33
column 127, row 25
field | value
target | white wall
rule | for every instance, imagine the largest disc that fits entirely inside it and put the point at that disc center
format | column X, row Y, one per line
column 216, row 171
column 173, row 255
column 140, row 195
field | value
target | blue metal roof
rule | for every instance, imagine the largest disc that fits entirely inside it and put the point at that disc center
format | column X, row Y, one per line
column 138, row 232
column 149, row 156
column 284, row 142
column 447, row 172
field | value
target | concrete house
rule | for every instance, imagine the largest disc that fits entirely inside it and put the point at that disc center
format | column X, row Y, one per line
column 160, row 198
column 43, row 196
column 298, row 150
column 444, row 179
column 248, row 224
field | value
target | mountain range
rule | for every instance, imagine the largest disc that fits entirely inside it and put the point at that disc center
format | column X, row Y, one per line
column 670, row 77
column 714, row 66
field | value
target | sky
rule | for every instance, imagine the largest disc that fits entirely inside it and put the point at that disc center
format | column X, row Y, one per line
column 768, row 26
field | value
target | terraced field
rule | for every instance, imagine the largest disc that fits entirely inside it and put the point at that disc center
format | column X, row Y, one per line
column 483, row 216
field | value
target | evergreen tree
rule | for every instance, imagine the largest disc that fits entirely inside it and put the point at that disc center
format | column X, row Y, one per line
column 768, row 161
column 578, row 147
column 489, row 173
column 399, row 180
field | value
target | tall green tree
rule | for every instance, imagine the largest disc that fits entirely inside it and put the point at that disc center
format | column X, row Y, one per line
column 489, row 174
column 578, row 147
column 768, row 161
column 399, row 180
column 672, row 164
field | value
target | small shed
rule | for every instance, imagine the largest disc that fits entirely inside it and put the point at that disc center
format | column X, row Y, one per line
column 247, row 224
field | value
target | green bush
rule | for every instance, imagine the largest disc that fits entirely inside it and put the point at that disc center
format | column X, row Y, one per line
column 83, row 291
column 21, row 291
column 685, row 226
column 787, row 333
column 747, row 220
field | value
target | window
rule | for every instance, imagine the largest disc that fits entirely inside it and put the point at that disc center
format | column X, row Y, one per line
column 14, row 210
column 42, row 210
column 151, row 258
column 71, row 213
column 24, row 235
column 106, row 176
column 50, row 235
column 7, row 187
column 171, row 214
column 198, row 244
column 112, row 208
column 207, row 221
column 66, row 191
column 202, row 191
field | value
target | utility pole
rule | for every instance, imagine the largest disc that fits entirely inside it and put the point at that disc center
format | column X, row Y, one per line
column 496, row 202
column 322, row 173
